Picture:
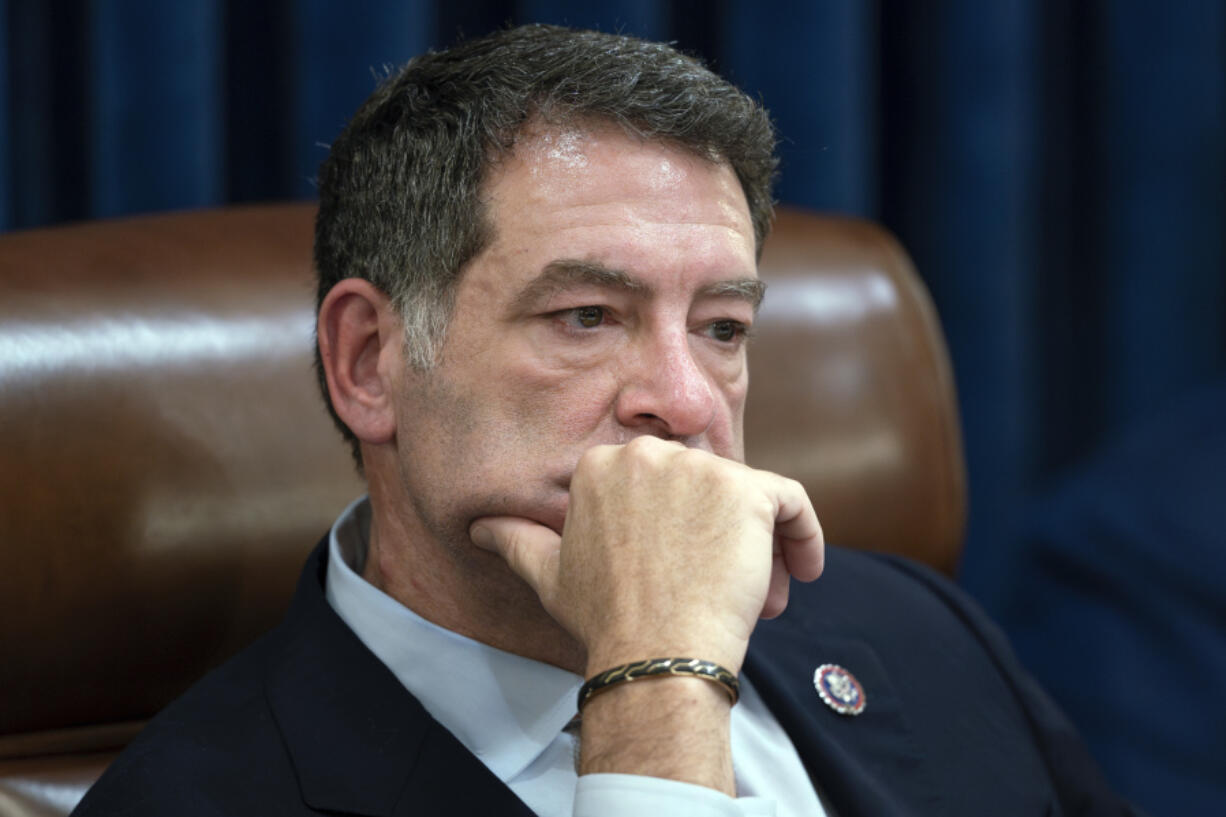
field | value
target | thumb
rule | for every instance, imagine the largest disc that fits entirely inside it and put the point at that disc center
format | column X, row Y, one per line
column 531, row 549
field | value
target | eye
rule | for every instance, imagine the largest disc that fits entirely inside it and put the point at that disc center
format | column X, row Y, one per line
column 589, row 317
column 727, row 331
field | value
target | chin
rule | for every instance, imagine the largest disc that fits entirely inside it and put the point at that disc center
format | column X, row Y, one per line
column 548, row 510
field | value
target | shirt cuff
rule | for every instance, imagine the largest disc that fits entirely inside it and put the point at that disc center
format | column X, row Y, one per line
column 616, row 795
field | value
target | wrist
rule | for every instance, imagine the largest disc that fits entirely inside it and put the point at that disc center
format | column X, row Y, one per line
column 610, row 652
column 675, row 728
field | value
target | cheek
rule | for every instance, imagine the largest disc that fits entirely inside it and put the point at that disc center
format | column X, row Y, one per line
column 565, row 403
column 551, row 351
column 727, row 437
column 728, row 373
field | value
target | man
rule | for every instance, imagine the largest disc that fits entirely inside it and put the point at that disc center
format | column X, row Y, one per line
column 537, row 258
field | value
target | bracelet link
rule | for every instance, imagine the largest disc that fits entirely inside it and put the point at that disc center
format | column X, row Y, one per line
column 660, row 668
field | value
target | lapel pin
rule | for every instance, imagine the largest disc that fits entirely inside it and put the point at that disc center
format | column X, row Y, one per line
column 839, row 689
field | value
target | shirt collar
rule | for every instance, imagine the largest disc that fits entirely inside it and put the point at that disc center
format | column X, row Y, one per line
column 504, row 708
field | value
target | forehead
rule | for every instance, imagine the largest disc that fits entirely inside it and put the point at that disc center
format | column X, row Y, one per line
column 604, row 190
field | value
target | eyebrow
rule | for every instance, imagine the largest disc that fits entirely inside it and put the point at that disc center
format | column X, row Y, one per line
column 566, row 272
column 752, row 290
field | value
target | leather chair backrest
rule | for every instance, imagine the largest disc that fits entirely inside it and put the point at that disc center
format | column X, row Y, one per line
column 166, row 462
column 851, row 391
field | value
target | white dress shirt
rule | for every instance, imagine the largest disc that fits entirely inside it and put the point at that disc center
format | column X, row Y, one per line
column 510, row 711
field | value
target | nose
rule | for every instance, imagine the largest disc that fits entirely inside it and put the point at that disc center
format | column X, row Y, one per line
column 666, row 392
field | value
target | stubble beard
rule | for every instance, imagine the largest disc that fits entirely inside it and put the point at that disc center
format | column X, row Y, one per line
column 488, row 601
column 485, row 599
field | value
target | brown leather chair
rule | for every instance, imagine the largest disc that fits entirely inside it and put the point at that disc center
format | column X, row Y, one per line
column 167, row 463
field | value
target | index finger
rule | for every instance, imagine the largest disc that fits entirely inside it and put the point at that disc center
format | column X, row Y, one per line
column 799, row 532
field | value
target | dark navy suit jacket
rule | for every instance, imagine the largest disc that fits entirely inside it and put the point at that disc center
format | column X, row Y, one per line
column 307, row 720
column 1115, row 600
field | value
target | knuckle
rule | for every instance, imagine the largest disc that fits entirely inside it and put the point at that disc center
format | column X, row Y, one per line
column 639, row 443
column 648, row 454
column 593, row 459
column 702, row 463
column 645, row 447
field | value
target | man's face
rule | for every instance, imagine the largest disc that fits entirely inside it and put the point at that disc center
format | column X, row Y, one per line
column 611, row 303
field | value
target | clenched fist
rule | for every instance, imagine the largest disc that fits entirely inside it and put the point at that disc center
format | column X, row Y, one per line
column 666, row 550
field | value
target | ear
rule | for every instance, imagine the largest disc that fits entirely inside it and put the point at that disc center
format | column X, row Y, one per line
column 357, row 329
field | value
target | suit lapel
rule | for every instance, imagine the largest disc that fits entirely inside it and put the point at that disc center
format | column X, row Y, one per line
column 360, row 743
column 868, row 764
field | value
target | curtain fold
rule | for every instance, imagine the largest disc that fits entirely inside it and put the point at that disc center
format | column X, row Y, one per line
column 6, row 176
column 642, row 18
column 962, row 144
column 1162, row 195
column 153, row 113
column 816, row 69
column 338, row 53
